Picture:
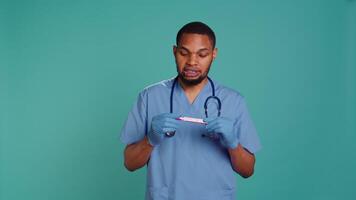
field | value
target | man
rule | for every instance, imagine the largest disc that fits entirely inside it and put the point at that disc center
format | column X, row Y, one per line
column 199, row 161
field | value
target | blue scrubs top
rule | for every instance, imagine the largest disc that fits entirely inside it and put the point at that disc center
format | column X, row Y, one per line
column 189, row 166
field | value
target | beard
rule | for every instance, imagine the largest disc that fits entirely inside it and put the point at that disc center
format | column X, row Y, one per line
column 195, row 81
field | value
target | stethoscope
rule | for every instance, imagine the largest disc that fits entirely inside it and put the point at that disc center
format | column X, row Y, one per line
column 170, row 134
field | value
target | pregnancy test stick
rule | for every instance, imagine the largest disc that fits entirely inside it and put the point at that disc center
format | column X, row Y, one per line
column 191, row 119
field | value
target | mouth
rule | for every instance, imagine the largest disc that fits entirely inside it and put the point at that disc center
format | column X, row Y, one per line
column 190, row 72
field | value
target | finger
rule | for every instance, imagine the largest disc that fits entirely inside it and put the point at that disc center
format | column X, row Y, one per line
column 170, row 115
column 170, row 125
column 170, row 120
column 209, row 134
column 165, row 130
column 213, row 123
column 209, row 119
column 214, row 129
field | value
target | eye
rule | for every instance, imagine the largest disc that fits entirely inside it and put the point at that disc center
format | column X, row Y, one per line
column 183, row 52
column 203, row 55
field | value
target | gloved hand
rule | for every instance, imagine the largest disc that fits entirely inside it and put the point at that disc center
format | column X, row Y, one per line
column 160, row 125
column 224, row 128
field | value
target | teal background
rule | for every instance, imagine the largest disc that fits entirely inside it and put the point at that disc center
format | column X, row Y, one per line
column 71, row 70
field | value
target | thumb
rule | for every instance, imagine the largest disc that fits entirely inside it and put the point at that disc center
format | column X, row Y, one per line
column 208, row 119
column 169, row 115
column 173, row 115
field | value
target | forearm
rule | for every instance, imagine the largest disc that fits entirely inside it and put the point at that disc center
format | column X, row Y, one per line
column 137, row 154
column 242, row 161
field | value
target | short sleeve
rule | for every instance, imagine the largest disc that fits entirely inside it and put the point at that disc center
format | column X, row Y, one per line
column 248, row 136
column 134, row 128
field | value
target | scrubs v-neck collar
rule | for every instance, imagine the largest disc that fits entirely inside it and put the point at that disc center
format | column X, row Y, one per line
column 196, row 107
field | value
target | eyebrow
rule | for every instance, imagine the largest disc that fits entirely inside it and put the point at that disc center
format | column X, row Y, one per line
column 202, row 49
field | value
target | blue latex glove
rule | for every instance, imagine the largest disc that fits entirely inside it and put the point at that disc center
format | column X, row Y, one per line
column 224, row 128
column 160, row 125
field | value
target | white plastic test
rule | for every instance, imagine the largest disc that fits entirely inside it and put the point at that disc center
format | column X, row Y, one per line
column 192, row 119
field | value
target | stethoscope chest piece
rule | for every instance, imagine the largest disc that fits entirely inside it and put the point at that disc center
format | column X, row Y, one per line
column 170, row 134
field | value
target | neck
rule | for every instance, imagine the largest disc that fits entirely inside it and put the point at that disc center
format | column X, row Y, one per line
column 192, row 88
column 192, row 91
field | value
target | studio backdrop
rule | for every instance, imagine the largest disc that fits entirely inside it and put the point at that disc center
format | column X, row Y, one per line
column 70, row 72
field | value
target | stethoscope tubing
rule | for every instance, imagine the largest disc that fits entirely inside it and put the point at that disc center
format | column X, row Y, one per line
column 170, row 134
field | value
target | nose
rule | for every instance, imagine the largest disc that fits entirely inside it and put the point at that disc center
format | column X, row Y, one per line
column 192, row 60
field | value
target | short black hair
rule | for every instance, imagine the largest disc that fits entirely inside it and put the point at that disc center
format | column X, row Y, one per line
column 198, row 28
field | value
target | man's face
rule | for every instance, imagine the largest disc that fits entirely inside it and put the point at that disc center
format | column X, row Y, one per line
column 194, row 55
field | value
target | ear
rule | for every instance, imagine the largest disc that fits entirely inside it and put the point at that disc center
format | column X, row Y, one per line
column 174, row 49
column 215, row 53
